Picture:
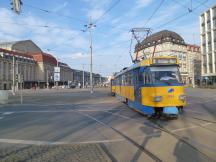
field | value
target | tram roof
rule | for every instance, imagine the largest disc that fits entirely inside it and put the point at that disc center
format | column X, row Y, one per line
column 159, row 61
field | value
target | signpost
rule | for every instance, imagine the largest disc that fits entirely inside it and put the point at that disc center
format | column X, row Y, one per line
column 56, row 77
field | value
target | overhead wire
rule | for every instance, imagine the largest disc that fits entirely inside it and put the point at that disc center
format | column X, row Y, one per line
column 39, row 25
column 55, row 13
column 155, row 11
column 184, row 6
column 107, row 11
column 182, row 15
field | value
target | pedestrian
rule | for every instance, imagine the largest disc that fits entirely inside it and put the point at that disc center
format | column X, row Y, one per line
column 79, row 85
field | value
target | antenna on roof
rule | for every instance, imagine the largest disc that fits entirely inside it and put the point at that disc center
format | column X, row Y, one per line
column 139, row 34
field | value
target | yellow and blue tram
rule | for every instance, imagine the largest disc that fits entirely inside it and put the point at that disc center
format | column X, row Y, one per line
column 152, row 86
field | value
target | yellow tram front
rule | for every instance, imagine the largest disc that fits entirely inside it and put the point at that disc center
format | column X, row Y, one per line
column 162, row 87
column 152, row 86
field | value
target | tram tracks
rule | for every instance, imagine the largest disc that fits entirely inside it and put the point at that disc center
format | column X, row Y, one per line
column 139, row 146
column 182, row 139
column 200, row 125
column 154, row 124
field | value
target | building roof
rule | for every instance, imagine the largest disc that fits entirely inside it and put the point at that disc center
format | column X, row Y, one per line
column 4, row 51
column 193, row 47
column 24, row 46
column 44, row 57
column 160, row 37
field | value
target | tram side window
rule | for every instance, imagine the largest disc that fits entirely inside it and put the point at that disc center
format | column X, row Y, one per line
column 123, row 80
column 128, row 79
column 117, row 81
column 120, row 80
column 147, row 77
column 113, row 82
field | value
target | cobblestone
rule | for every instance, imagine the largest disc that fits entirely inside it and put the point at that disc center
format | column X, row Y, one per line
column 55, row 153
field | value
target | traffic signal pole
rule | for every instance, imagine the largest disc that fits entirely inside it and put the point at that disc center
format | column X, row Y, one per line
column 13, row 73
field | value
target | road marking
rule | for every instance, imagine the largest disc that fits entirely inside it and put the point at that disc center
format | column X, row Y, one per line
column 1, row 117
column 182, row 129
column 86, row 110
column 7, row 113
column 35, row 142
column 172, row 130
column 44, row 105
column 201, row 102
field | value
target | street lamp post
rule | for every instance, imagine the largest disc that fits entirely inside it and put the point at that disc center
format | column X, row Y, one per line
column 89, row 27
column 91, row 79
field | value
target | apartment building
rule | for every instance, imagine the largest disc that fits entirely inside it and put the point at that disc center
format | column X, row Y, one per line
column 208, row 45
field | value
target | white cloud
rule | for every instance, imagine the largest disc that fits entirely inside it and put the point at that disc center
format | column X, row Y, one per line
column 95, row 13
column 44, row 37
column 143, row 3
column 60, row 7
column 96, row 8
column 78, row 55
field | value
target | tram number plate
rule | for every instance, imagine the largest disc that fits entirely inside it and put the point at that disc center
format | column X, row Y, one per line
column 170, row 96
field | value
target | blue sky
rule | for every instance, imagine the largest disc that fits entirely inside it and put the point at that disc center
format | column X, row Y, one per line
column 111, row 38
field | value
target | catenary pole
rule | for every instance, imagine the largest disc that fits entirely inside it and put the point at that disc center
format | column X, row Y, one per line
column 90, row 25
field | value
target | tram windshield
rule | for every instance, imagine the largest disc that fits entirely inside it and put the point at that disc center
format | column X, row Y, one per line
column 165, row 74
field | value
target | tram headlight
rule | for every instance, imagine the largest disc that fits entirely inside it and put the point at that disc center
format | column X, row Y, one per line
column 157, row 98
column 182, row 97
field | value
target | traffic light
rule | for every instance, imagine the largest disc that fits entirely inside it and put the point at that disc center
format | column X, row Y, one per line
column 17, row 77
column 16, row 6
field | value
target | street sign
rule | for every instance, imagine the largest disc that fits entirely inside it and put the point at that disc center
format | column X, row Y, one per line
column 57, row 69
column 56, row 77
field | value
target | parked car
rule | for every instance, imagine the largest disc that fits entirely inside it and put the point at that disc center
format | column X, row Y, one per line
column 72, row 85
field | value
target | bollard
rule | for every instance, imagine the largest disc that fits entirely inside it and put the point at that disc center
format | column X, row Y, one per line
column 3, row 97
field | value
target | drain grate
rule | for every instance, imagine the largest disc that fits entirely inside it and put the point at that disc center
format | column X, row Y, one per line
column 53, row 153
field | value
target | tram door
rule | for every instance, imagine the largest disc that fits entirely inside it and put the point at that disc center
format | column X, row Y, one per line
column 137, row 86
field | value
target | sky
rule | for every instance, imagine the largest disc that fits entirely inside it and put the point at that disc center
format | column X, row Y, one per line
column 58, row 27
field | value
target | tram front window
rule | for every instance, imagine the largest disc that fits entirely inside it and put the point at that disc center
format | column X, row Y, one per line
column 165, row 74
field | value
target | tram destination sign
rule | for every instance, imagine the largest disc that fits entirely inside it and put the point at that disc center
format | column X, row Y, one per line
column 165, row 61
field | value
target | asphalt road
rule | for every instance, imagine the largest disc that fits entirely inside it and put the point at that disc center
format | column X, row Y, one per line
column 73, row 125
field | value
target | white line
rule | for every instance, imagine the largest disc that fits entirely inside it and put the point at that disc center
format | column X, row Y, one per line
column 1, row 117
column 174, row 130
column 86, row 110
column 201, row 102
column 7, row 113
column 182, row 129
column 187, row 110
column 35, row 142
column 205, row 124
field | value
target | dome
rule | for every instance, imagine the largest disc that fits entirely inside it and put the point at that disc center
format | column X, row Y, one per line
column 160, row 37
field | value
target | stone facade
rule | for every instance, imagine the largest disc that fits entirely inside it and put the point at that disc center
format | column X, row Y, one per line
column 168, row 43
column 36, row 66
column 194, row 64
column 23, row 64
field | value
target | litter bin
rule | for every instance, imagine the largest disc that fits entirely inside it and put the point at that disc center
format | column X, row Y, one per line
column 3, row 96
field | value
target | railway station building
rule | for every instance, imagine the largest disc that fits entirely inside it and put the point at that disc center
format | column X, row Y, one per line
column 36, row 66
column 169, row 43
